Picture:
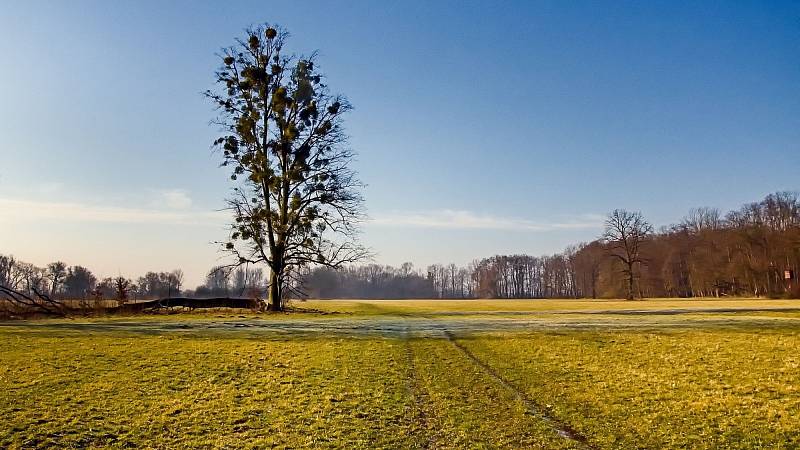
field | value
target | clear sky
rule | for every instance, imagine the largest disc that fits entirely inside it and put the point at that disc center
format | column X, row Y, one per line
column 481, row 127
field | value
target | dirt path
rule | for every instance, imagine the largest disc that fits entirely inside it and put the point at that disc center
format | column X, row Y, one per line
column 418, row 398
column 561, row 428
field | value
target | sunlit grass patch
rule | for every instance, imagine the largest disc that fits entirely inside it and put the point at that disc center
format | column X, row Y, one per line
column 392, row 378
column 466, row 408
column 108, row 390
column 632, row 389
column 160, row 391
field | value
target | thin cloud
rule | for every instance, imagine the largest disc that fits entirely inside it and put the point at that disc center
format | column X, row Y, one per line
column 51, row 187
column 31, row 210
column 174, row 199
column 26, row 210
column 468, row 220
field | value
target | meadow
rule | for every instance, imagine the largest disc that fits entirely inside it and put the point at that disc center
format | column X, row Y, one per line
column 411, row 374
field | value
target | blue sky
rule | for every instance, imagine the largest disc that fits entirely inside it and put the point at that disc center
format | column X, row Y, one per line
column 481, row 127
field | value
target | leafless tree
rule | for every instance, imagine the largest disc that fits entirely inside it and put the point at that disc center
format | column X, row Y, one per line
column 702, row 219
column 56, row 272
column 175, row 282
column 625, row 233
column 122, row 289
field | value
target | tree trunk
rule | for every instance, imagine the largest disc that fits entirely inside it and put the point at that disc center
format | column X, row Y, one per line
column 630, row 281
column 275, row 301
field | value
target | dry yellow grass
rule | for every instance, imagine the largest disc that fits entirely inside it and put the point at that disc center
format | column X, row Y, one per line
column 410, row 374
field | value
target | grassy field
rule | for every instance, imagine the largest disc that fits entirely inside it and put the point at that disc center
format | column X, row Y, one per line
column 448, row 307
column 418, row 374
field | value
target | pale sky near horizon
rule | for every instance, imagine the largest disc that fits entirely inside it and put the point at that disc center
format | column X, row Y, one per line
column 481, row 127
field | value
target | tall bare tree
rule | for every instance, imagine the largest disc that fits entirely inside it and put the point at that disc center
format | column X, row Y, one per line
column 625, row 232
column 56, row 272
column 10, row 273
column 122, row 288
column 297, row 199
column 587, row 260
column 175, row 279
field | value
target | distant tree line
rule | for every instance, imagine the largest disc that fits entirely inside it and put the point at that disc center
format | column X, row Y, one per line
column 58, row 280
column 368, row 281
column 752, row 251
column 244, row 281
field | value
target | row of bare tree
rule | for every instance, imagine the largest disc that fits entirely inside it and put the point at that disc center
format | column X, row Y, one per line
column 368, row 281
column 514, row 276
column 753, row 251
column 60, row 281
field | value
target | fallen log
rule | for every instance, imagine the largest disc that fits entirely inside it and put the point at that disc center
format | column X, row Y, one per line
column 187, row 302
column 15, row 302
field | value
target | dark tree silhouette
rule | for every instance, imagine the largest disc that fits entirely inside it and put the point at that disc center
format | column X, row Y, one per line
column 624, row 234
column 56, row 273
column 297, row 200
column 122, row 287
column 79, row 282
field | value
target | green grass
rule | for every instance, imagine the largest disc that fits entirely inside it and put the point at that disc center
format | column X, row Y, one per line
column 699, row 380
column 464, row 407
column 676, row 389
column 100, row 391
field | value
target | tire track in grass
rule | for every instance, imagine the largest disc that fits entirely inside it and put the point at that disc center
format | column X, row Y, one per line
column 418, row 398
column 563, row 429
